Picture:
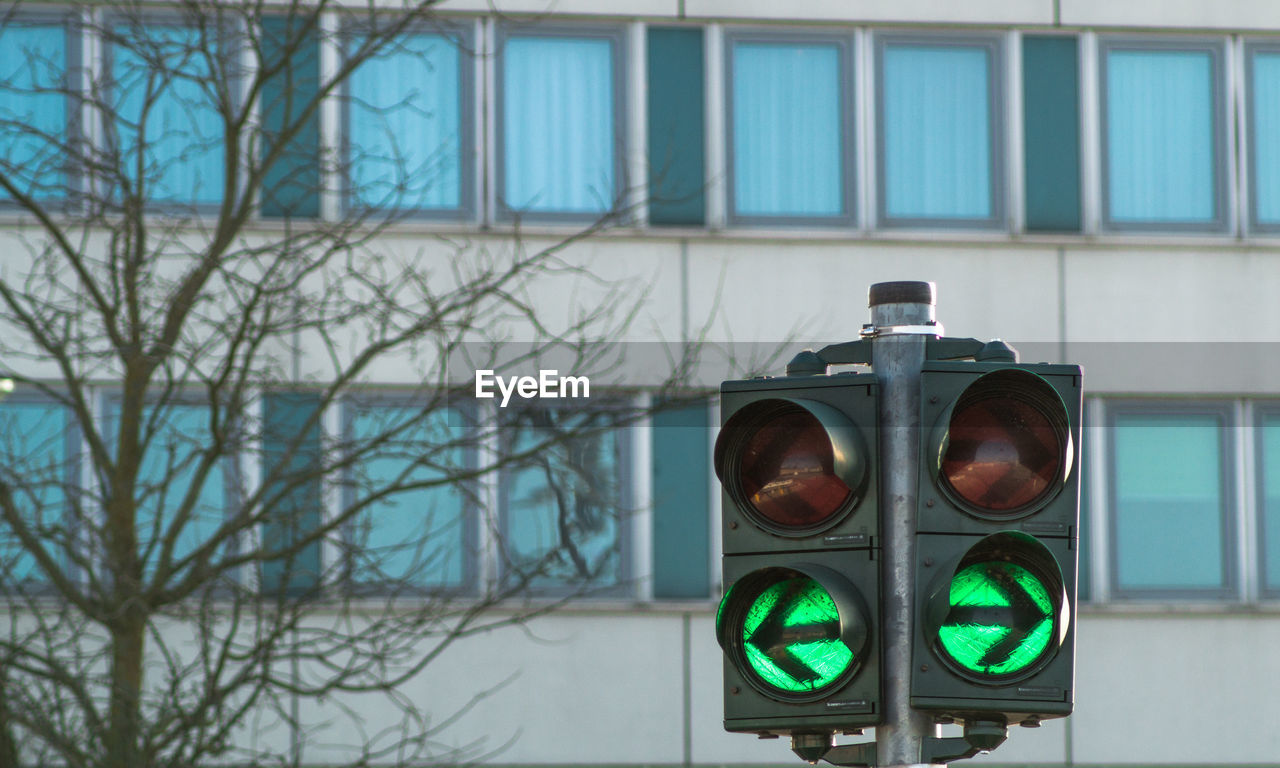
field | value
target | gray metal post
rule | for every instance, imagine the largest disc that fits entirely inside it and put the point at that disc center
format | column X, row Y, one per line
column 901, row 313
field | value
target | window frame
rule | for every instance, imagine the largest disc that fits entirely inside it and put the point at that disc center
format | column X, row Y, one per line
column 1216, row 49
column 73, row 39
column 462, row 35
column 72, row 439
column 233, row 466
column 997, row 140
column 1261, row 410
column 472, row 511
column 616, row 35
column 229, row 35
column 846, row 70
column 624, row 586
column 1228, row 462
column 1251, row 48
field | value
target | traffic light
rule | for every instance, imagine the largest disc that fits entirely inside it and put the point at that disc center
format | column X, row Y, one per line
column 796, row 457
column 996, row 541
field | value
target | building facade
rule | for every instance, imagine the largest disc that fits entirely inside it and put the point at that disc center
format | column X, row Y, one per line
column 1095, row 181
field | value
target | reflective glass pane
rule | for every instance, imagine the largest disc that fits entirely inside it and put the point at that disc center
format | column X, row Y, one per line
column 405, row 126
column 171, row 465
column 1269, row 470
column 33, row 108
column 166, row 112
column 936, row 131
column 558, row 130
column 563, row 517
column 787, row 130
column 36, row 466
column 1265, row 135
column 1160, row 136
column 1169, row 501
column 410, row 530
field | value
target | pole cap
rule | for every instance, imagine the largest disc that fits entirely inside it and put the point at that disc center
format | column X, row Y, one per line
column 902, row 292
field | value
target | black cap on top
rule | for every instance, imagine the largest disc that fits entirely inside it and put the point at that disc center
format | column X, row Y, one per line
column 902, row 292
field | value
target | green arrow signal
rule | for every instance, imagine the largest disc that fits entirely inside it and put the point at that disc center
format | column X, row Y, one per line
column 791, row 634
column 1001, row 619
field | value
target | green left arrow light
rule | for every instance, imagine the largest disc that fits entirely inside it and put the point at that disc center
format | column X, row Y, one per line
column 797, row 633
column 791, row 635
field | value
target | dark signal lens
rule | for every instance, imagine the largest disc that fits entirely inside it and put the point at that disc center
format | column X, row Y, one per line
column 1007, row 447
column 787, row 471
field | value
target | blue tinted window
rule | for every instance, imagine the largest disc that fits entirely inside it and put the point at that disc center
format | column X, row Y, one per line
column 1264, row 134
column 36, row 466
column 405, row 126
column 559, row 136
column 178, row 437
column 1169, row 502
column 410, row 530
column 936, row 132
column 1269, row 503
column 167, row 114
column 33, row 108
column 563, row 518
column 788, row 129
column 1160, row 135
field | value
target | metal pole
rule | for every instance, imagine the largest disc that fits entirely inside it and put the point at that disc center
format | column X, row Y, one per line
column 901, row 313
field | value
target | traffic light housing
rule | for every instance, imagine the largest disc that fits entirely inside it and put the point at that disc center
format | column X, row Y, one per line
column 799, row 621
column 996, row 541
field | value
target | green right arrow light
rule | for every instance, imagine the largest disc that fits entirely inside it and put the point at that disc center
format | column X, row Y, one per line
column 1001, row 621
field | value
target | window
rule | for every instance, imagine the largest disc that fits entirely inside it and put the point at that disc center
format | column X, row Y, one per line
column 177, row 438
column 790, row 129
column 563, row 506
column 291, row 185
column 415, row 525
column 292, row 464
column 36, row 108
column 1163, row 163
column 939, row 132
column 408, row 118
column 1262, row 64
column 166, row 112
column 1171, row 500
column 560, row 123
column 37, row 465
column 680, row 441
column 677, row 126
column 1268, row 468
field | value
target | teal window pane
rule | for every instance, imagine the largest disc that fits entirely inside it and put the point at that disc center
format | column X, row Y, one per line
column 291, row 186
column 1160, row 137
column 291, row 474
column 36, row 467
column 677, row 166
column 411, row 527
column 167, row 115
column 1051, row 133
column 563, row 515
column 681, row 445
column 1269, row 471
column 558, row 133
column 1169, row 512
column 787, row 129
column 405, row 126
column 177, row 437
column 1084, row 573
column 936, row 131
column 1265, row 135
column 33, row 108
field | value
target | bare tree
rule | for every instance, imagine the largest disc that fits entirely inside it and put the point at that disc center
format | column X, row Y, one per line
column 190, row 467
